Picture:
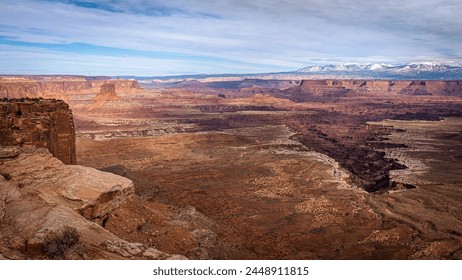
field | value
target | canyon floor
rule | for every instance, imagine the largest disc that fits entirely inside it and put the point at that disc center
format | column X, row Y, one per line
column 257, row 174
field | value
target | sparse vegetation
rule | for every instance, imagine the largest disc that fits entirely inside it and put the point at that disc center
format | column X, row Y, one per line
column 63, row 244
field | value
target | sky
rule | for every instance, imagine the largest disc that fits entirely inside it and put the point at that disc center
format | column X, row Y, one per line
column 173, row 37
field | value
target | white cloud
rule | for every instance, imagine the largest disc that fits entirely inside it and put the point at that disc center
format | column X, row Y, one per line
column 263, row 35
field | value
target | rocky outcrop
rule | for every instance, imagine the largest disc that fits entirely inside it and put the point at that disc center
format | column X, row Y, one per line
column 124, row 86
column 50, row 210
column 323, row 88
column 38, row 123
column 62, row 88
column 107, row 93
column 22, row 89
column 89, row 192
column 8, row 192
column 279, row 84
column 107, row 89
column 106, row 98
column 450, row 88
column 329, row 88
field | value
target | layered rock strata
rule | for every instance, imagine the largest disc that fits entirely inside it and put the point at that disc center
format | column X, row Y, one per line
column 39, row 123
column 91, row 193
column 107, row 92
column 60, row 88
column 43, row 202
column 329, row 88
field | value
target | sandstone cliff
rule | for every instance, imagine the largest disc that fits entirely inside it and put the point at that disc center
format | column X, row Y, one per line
column 48, row 209
column 329, row 88
column 39, row 123
column 91, row 193
column 107, row 89
column 30, row 86
column 107, row 92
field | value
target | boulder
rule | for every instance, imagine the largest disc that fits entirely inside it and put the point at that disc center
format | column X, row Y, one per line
column 40, row 224
column 49, row 210
column 89, row 192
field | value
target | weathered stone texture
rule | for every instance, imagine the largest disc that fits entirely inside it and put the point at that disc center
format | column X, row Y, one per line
column 340, row 87
column 39, row 195
column 39, row 123
column 107, row 92
column 107, row 89
column 61, row 89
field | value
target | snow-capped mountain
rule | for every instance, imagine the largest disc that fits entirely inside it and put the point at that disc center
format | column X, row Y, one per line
column 426, row 70
column 413, row 71
column 425, row 67
column 343, row 67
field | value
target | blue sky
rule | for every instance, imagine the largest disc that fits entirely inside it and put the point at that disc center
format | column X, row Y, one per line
column 138, row 37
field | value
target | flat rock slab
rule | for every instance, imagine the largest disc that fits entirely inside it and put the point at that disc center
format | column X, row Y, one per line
column 89, row 192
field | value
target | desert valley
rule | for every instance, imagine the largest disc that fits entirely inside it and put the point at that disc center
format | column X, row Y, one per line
column 225, row 168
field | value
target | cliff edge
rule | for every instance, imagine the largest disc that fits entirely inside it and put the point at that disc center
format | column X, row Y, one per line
column 60, row 87
column 338, row 88
column 50, row 210
column 41, row 123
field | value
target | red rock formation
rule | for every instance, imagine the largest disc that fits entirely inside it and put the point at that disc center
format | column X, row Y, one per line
column 374, row 87
column 42, row 89
column 107, row 89
column 323, row 87
column 107, row 92
column 445, row 87
column 39, row 123
column 48, row 88
column 90, row 192
column 41, row 197
column 120, row 85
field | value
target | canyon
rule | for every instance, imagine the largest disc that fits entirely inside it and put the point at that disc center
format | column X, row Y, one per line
column 222, row 169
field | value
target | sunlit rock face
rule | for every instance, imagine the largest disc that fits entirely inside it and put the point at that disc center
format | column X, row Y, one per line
column 39, row 123
column 329, row 88
column 61, row 87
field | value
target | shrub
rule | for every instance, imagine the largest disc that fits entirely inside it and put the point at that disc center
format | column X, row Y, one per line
column 58, row 243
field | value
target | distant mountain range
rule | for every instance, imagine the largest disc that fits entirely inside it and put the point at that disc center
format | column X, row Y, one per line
column 427, row 70
column 412, row 71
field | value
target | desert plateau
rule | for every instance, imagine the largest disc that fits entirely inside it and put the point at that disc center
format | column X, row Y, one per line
column 223, row 168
